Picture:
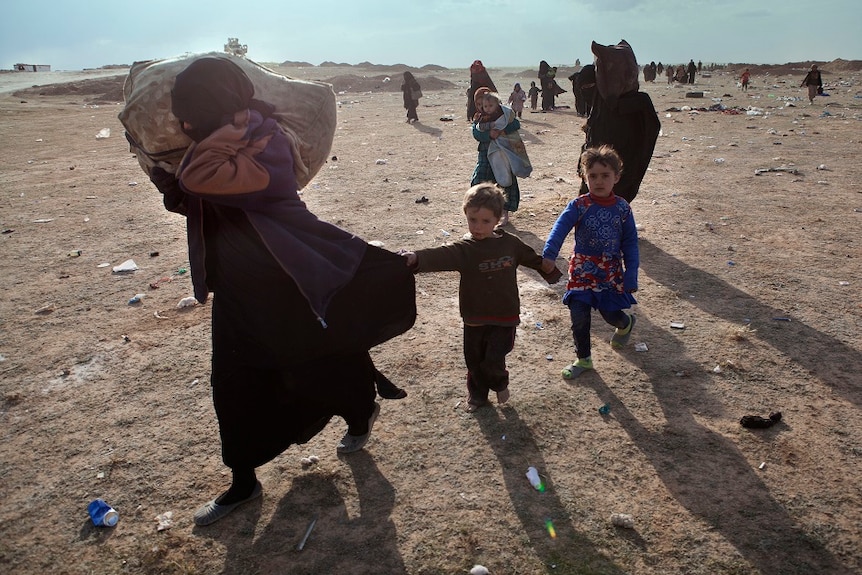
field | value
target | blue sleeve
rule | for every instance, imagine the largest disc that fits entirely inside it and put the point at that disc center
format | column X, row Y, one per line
column 564, row 224
column 631, row 255
column 479, row 135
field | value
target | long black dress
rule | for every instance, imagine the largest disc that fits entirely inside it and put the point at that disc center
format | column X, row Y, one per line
column 278, row 376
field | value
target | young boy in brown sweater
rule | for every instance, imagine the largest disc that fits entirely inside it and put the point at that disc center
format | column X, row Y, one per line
column 487, row 259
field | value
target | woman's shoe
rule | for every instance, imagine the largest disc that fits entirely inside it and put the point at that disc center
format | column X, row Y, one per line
column 211, row 511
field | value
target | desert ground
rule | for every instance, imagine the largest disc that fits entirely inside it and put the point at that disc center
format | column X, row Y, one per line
column 748, row 220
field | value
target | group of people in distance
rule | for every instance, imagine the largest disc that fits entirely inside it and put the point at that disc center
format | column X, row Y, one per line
column 299, row 302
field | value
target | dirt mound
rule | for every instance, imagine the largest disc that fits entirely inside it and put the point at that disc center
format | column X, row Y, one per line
column 834, row 67
column 383, row 83
column 98, row 90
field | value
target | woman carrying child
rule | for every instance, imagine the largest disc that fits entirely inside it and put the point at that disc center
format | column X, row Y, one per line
column 502, row 155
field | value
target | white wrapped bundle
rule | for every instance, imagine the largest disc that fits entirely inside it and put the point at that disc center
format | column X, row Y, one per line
column 305, row 110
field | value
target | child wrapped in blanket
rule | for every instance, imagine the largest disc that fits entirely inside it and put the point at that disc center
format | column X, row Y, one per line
column 507, row 154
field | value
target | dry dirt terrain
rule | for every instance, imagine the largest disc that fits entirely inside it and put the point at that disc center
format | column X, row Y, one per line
column 103, row 398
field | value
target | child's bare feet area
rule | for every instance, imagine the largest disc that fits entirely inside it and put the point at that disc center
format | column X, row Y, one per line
column 503, row 396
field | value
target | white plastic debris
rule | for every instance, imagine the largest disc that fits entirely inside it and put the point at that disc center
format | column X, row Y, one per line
column 187, row 302
column 126, row 266
column 479, row 570
column 103, row 133
column 166, row 520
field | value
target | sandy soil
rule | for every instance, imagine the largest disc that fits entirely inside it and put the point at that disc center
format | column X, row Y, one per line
column 105, row 399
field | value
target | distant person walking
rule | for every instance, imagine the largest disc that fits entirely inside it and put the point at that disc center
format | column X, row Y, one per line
column 670, row 74
column 744, row 79
column 534, row 95
column 692, row 69
column 517, row 99
column 814, row 82
column 411, row 92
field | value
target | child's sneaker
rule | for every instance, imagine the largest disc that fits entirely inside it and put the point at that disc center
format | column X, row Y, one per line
column 580, row 366
column 621, row 336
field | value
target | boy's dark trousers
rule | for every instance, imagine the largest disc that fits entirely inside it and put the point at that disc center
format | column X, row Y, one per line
column 485, row 350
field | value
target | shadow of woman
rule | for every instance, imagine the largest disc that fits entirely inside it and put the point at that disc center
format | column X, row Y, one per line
column 431, row 131
column 827, row 358
column 567, row 551
column 706, row 473
column 338, row 542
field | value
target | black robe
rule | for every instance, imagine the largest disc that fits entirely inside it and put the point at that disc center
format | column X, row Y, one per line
column 631, row 126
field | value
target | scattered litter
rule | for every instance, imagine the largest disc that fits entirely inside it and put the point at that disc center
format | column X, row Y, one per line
column 719, row 160
column 166, row 520
column 133, row 183
column 126, row 266
column 716, row 369
column 677, row 325
column 731, row 263
column 757, row 422
column 75, row 253
column 535, row 480
column 762, row 465
column 641, row 347
column 45, row 309
column 136, row 298
column 103, row 133
column 447, row 118
column 376, row 243
column 422, row 200
column 605, row 409
column 445, row 233
column 187, row 302
column 194, row 382
column 479, row 570
column 623, row 520
column 154, row 254
column 822, row 167
column 843, row 283
column 307, row 533
column 43, row 220
column 759, row 171
column 781, row 319
column 549, row 357
column 539, row 325
column 381, row 162
column 549, row 525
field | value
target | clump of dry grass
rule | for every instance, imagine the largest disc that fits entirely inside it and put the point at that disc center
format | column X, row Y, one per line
column 740, row 333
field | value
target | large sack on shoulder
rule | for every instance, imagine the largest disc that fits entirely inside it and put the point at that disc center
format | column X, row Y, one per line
column 305, row 110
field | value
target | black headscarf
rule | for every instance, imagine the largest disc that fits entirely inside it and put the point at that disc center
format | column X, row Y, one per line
column 209, row 92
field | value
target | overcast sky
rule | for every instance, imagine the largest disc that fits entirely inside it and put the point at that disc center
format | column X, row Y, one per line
column 75, row 35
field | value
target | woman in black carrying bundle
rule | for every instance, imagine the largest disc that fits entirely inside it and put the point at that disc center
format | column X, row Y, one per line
column 298, row 301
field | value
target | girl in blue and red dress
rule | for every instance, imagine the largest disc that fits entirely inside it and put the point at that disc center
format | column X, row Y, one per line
column 603, row 269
